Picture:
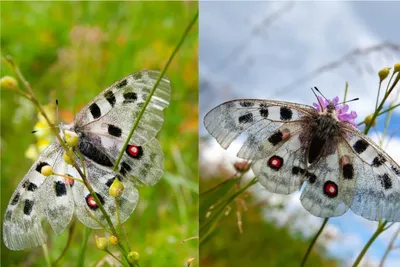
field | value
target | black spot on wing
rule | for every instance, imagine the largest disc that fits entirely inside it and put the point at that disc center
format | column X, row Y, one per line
column 396, row 170
column 129, row 97
column 378, row 161
column 114, row 131
column 286, row 113
column 122, row 83
column 385, row 181
column 275, row 138
column 246, row 118
column 125, row 168
column 95, row 111
column 40, row 166
column 360, row 146
column 348, row 171
column 60, row 188
column 311, row 177
column 28, row 207
column 15, row 199
column 94, row 154
column 110, row 97
column 246, row 104
column 264, row 112
column 31, row 187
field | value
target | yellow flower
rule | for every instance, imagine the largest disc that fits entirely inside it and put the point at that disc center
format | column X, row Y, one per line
column 397, row 67
column 8, row 82
column 133, row 257
column 116, row 188
column 101, row 243
column 383, row 73
column 113, row 240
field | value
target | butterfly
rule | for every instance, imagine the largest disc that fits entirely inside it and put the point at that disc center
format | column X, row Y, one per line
column 316, row 147
column 102, row 127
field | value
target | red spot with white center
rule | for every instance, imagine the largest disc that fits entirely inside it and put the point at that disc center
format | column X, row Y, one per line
column 133, row 151
column 275, row 162
column 330, row 189
column 91, row 202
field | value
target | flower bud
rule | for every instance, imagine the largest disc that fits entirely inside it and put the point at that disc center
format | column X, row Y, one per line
column 71, row 138
column 8, row 82
column 397, row 67
column 46, row 170
column 368, row 120
column 116, row 188
column 190, row 261
column 101, row 243
column 113, row 240
column 383, row 73
column 242, row 166
column 133, row 257
column 67, row 159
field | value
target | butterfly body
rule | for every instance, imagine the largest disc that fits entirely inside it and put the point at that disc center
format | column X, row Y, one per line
column 102, row 128
column 319, row 149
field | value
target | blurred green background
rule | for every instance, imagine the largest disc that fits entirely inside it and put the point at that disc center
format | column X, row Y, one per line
column 72, row 51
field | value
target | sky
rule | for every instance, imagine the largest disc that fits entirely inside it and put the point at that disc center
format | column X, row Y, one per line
column 273, row 50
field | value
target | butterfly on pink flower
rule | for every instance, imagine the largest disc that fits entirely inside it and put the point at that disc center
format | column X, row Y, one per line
column 317, row 148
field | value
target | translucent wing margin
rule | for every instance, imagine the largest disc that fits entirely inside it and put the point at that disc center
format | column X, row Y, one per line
column 22, row 222
column 257, row 118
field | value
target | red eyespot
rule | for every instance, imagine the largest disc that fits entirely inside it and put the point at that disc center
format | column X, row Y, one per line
column 91, row 202
column 275, row 162
column 134, row 151
column 69, row 181
column 330, row 189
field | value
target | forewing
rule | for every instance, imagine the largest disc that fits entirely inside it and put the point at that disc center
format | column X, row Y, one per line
column 256, row 118
column 114, row 111
column 22, row 222
column 377, row 190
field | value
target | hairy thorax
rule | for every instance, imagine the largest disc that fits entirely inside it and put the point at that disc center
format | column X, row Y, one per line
column 320, row 136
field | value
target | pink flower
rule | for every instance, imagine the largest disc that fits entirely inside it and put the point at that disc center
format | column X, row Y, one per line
column 341, row 110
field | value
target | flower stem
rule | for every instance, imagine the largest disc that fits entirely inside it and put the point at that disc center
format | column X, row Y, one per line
column 313, row 242
column 46, row 255
column 82, row 250
column 378, row 231
column 136, row 123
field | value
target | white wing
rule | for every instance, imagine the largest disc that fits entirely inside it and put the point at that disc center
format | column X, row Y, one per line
column 256, row 118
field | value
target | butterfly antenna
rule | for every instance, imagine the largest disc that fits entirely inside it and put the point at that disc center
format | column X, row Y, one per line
column 34, row 131
column 58, row 118
column 316, row 89
column 347, row 101
column 320, row 104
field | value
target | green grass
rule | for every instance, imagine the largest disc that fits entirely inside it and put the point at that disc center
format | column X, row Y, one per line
column 72, row 51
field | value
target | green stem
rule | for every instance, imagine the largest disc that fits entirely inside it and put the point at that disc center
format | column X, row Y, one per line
column 82, row 250
column 112, row 255
column 378, row 231
column 70, row 233
column 313, row 241
column 46, row 255
column 383, row 102
column 136, row 123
